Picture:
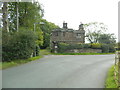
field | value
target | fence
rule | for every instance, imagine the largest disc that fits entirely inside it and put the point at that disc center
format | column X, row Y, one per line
column 117, row 69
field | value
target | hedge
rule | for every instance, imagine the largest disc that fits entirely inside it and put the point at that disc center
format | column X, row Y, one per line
column 18, row 45
column 105, row 47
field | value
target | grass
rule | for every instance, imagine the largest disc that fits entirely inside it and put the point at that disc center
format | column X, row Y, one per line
column 45, row 52
column 81, row 53
column 4, row 65
column 110, row 82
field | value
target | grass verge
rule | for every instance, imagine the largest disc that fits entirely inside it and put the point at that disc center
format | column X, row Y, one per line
column 110, row 82
column 45, row 52
column 4, row 65
column 81, row 53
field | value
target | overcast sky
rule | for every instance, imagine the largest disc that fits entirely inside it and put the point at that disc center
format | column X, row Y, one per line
column 75, row 11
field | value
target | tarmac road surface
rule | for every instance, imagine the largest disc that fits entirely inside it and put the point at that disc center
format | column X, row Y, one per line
column 60, row 71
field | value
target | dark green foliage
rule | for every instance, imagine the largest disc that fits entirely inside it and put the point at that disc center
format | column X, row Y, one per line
column 76, row 46
column 47, row 29
column 118, row 46
column 29, row 13
column 87, row 45
column 19, row 45
column 105, row 48
column 111, row 48
column 107, row 39
column 63, row 46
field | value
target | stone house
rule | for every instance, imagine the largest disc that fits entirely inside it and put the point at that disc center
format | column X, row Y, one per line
column 66, row 35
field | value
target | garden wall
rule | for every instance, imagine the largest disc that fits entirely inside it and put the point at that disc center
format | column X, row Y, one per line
column 88, row 50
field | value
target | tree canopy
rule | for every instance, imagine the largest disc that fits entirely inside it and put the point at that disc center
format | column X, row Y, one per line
column 22, row 43
column 96, row 33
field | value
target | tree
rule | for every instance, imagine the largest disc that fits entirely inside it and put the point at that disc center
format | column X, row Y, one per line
column 47, row 29
column 29, row 13
column 5, row 16
column 94, row 30
column 107, row 39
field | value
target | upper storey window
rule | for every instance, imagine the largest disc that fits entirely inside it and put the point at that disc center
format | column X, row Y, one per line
column 78, row 35
column 56, row 34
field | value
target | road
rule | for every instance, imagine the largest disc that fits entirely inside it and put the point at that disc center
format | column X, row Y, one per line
column 59, row 71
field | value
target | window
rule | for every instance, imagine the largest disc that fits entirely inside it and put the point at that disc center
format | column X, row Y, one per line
column 78, row 35
column 56, row 33
column 64, row 34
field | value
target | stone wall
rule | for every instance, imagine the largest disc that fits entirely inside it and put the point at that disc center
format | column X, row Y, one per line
column 89, row 50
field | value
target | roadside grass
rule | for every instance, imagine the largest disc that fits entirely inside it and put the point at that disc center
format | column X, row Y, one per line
column 81, row 53
column 45, row 52
column 110, row 82
column 4, row 65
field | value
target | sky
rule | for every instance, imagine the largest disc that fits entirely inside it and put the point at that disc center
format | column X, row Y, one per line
column 75, row 11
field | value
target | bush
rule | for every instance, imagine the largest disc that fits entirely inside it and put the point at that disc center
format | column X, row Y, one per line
column 86, row 45
column 96, row 45
column 75, row 46
column 18, row 45
column 62, row 47
column 118, row 46
column 111, row 49
column 105, row 48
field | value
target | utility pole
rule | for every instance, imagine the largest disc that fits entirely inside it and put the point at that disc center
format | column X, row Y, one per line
column 34, row 27
column 35, row 53
column 17, row 16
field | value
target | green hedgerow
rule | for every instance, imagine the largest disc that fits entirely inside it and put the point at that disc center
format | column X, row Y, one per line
column 18, row 45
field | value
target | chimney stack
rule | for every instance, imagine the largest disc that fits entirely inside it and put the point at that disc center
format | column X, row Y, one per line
column 65, row 25
column 81, row 26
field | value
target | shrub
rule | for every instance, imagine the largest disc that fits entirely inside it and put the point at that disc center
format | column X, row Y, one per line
column 18, row 45
column 62, row 47
column 105, row 48
column 118, row 46
column 96, row 45
column 75, row 46
column 86, row 45
column 111, row 49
